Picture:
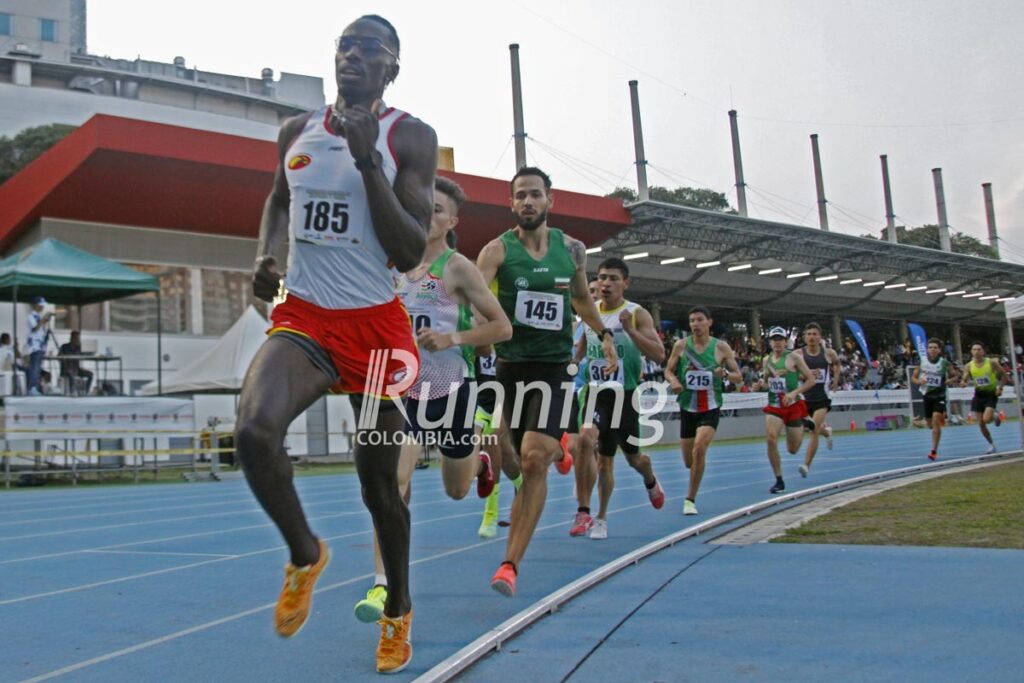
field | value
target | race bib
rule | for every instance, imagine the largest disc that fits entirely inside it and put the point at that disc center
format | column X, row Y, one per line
column 487, row 365
column 419, row 320
column 777, row 385
column 596, row 369
column 539, row 310
column 699, row 380
column 328, row 218
column 819, row 375
column 983, row 381
column 931, row 380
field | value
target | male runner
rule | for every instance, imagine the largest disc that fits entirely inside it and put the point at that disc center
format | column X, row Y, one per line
column 538, row 271
column 583, row 444
column 783, row 372
column 695, row 370
column 931, row 375
column 503, row 456
column 440, row 295
column 353, row 193
column 827, row 369
column 988, row 379
column 607, row 401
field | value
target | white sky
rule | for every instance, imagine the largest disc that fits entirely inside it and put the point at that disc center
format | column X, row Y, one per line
column 931, row 83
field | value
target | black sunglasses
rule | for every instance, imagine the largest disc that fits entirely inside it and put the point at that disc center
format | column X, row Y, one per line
column 368, row 45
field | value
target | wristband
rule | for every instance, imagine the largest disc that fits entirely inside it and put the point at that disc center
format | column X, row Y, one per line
column 606, row 333
column 370, row 161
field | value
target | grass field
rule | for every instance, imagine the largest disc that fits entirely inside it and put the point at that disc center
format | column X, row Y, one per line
column 981, row 509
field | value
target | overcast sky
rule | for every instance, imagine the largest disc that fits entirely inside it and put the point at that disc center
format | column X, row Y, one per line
column 931, row 83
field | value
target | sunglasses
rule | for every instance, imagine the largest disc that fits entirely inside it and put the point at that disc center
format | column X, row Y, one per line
column 368, row 45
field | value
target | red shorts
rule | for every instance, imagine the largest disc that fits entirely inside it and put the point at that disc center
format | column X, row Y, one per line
column 790, row 414
column 372, row 349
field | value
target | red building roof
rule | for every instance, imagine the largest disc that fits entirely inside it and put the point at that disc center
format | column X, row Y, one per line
column 138, row 173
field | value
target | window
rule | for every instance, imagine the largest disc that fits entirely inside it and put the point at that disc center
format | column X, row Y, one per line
column 226, row 294
column 5, row 24
column 48, row 30
column 138, row 313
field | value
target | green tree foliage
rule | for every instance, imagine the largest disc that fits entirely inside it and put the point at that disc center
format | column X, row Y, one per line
column 928, row 236
column 19, row 151
column 696, row 197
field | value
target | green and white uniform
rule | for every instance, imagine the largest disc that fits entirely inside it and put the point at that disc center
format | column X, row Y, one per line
column 702, row 389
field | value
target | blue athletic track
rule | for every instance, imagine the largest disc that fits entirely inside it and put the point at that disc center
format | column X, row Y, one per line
column 177, row 583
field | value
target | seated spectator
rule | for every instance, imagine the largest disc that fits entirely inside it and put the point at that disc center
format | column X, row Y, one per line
column 72, row 369
column 7, row 359
column 46, row 387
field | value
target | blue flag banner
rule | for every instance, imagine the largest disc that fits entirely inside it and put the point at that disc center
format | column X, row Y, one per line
column 920, row 339
column 858, row 334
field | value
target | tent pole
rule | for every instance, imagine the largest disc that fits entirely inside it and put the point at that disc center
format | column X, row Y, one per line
column 14, row 322
column 1017, row 390
column 159, row 348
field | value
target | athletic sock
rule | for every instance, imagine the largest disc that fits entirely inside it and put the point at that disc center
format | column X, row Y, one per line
column 518, row 481
column 584, row 509
column 380, row 580
column 654, row 481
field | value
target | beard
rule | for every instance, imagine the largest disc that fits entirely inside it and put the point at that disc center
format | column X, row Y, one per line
column 532, row 223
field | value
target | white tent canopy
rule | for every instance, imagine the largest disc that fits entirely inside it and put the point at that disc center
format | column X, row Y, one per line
column 223, row 367
column 1015, row 308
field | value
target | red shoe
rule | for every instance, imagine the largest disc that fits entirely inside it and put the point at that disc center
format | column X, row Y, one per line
column 504, row 580
column 582, row 523
column 657, row 495
column 565, row 464
column 933, row 455
column 485, row 480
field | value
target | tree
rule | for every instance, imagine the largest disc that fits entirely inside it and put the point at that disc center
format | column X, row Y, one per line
column 696, row 197
column 19, row 151
column 928, row 236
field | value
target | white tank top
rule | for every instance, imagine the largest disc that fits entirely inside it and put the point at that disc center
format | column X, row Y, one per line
column 431, row 305
column 334, row 259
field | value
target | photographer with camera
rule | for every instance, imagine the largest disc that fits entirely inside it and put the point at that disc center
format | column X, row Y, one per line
column 35, row 347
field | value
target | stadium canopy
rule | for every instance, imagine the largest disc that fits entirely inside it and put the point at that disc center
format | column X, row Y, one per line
column 795, row 271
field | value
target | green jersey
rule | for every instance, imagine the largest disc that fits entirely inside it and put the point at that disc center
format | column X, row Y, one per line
column 702, row 389
column 631, row 362
column 934, row 375
column 984, row 376
column 783, row 383
column 535, row 296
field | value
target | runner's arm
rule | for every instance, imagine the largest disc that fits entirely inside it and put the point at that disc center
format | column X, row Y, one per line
column 266, row 278
column 490, row 259
column 729, row 362
column 673, row 362
column 917, row 379
column 470, row 283
column 837, row 369
column 645, row 337
column 584, row 305
column 805, row 373
column 579, row 350
column 401, row 213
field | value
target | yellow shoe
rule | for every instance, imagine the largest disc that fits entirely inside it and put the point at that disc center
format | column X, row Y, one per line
column 489, row 524
column 394, row 651
column 297, row 594
column 370, row 608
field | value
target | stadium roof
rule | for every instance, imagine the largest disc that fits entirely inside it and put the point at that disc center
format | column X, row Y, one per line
column 793, row 271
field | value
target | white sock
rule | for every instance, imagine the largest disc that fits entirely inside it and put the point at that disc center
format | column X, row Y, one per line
column 380, row 580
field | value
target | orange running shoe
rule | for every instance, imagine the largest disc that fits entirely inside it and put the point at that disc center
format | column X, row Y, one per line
column 297, row 594
column 565, row 464
column 394, row 651
column 504, row 580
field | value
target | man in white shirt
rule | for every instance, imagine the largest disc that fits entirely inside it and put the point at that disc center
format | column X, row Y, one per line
column 38, row 329
column 6, row 353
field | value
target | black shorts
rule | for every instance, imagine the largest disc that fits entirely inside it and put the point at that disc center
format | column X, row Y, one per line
column 524, row 407
column 815, row 404
column 455, row 436
column 614, row 427
column 689, row 422
column 934, row 404
column 983, row 400
column 486, row 397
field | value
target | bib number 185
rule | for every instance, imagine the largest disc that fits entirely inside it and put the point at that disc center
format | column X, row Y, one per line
column 323, row 215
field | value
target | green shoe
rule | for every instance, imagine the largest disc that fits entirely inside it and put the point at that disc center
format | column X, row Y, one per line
column 489, row 525
column 369, row 610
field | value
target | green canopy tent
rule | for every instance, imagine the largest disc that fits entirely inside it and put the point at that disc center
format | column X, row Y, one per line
column 66, row 275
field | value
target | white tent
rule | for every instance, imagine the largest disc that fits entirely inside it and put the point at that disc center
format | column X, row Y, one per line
column 223, row 367
column 1015, row 311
